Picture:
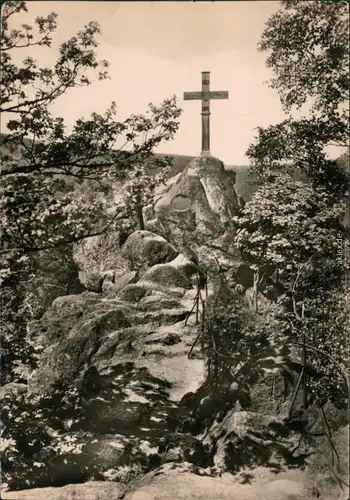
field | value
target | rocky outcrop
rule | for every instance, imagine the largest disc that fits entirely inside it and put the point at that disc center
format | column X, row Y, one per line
column 173, row 482
column 201, row 201
column 185, row 265
column 130, row 359
column 65, row 313
column 112, row 284
column 194, row 211
column 136, row 346
column 148, row 413
column 97, row 257
column 77, row 328
column 167, row 275
column 144, row 249
column 127, row 352
column 75, row 350
column 240, row 431
column 135, row 292
column 54, row 274
column 91, row 490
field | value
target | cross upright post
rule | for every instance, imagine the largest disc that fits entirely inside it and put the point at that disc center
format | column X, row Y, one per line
column 205, row 96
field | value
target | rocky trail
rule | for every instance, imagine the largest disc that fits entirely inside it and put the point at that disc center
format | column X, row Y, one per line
column 146, row 429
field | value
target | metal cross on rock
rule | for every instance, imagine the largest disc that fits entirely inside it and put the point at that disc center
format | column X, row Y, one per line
column 205, row 96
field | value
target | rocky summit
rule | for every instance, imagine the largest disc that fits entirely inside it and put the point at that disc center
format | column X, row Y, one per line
column 173, row 327
column 199, row 200
column 143, row 421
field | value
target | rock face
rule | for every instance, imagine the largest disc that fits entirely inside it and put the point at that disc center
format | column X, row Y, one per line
column 129, row 355
column 116, row 282
column 194, row 212
column 76, row 329
column 167, row 275
column 201, row 200
column 93, row 490
column 97, row 257
column 144, row 249
column 146, row 417
column 55, row 275
column 172, row 483
column 75, row 350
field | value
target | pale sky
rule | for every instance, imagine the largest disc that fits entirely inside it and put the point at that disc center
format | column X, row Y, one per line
column 159, row 49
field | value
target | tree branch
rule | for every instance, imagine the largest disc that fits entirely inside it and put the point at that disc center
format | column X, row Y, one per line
column 334, row 361
column 61, row 243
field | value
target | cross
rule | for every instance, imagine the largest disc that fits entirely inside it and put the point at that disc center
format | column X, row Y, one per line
column 205, row 95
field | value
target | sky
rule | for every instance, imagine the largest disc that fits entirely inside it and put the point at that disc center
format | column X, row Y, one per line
column 158, row 49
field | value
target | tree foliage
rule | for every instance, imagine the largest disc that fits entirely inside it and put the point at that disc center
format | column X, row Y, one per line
column 296, row 230
column 99, row 147
column 44, row 206
column 37, row 430
column 139, row 191
column 289, row 222
column 307, row 49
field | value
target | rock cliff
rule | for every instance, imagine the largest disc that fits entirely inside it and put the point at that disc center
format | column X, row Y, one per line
column 201, row 200
column 130, row 345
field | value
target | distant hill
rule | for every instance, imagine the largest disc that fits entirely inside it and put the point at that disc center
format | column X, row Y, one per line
column 179, row 162
column 243, row 185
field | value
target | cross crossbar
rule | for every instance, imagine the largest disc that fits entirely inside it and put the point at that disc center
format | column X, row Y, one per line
column 218, row 94
column 205, row 96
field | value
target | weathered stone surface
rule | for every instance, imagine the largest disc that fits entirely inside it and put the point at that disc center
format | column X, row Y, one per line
column 144, row 249
column 91, row 280
column 159, row 301
column 160, row 317
column 119, row 282
column 131, row 402
column 142, row 289
column 201, row 200
column 56, row 274
column 172, row 339
column 91, row 490
column 247, row 440
column 187, row 267
column 144, row 346
column 167, row 275
column 65, row 313
column 134, row 292
column 172, row 482
column 97, row 256
column 141, row 371
column 178, row 447
column 65, row 358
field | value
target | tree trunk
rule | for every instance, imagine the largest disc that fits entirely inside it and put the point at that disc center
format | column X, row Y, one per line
column 304, row 355
column 140, row 218
column 304, row 376
column 255, row 291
